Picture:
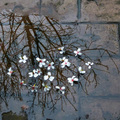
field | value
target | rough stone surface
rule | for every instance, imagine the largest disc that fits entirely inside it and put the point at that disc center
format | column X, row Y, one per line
column 100, row 109
column 105, row 36
column 20, row 6
column 63, row 10
column 108, row 83
column 102, row 102
column 100, row 10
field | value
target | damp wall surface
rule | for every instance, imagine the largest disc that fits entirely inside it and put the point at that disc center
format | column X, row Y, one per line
column 91, row 20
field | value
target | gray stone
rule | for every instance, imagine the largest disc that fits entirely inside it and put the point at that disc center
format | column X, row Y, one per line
column 108, row 85
column 20, row 6
column 101, row 10
column 100, row 109
column 103, row 35
column 63, row 10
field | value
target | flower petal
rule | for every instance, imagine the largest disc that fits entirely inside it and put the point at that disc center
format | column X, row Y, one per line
column 32, row 90
column 79, row 49
column 24, row 61
column 75, row 79
column 80, row 68
column 24, row 57
column 43, row 60
column 89, row 67
column 34, row 70
column 62, row 66
column 35, row 75
column 63, row 87
column 43, row 84
column 75, row 52
column 79, row 53
column 68, row 64
column 69, row 79
column 40, row 65
column 30, row 74
column 57, row 87
column 51, row 78
column 48, row 68
column 83, row 72
column 38, row 59
column 86, row 64
column 20, row 61
column 49, row 73
column 72, row 84
column 53, row 67
column 45, row 77
column 9, row 73
column 64, row 58
column 45, row 89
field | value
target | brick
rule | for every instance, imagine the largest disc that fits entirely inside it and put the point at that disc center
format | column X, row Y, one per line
column 20, row 6
column 63, row 10
column 104, row 35
column 101, row 10
column 108, row 83
column 100, row 109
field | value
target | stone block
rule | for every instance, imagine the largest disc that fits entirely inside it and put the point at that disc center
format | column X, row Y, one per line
column 108, row 82
column 103, row 35
column 100, row 10
column 63, row 10
column 100, row 109
column 20, row 6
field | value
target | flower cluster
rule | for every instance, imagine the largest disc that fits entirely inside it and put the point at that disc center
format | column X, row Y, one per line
column 35, row 73
column 47, row 75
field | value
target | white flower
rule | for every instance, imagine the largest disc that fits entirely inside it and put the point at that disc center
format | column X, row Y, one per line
column 23, row 59
column 22, row 83
column 61, row 49
column 33, row 74
column 38, row 72
column 34, row 88
column 46, row 87
column 50, row 65
column 71, row 80
column 65, row 63
column 89, row 64
column 48, row 76
column 41, row 62
column 78, row 52
column 62, row 59
column 61, row 89
column 10, row 71
column 81, row 70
